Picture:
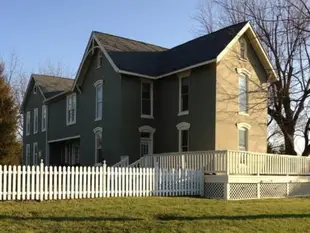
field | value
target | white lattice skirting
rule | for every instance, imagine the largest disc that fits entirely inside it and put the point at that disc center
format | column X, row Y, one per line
column 255, row 189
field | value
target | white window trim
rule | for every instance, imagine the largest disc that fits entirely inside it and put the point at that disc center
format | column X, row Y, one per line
column 151, row 130
column 96, row 131
column 99, row 56
column 151, row 116
column 35, row 145
column 67, row 109
column 245, row 58
column 243, row 125
column 44, row 126
column 98, row 83
column 35, row 89
column 28, row 126
column 181, row 76
column 180, row 127
column 35, row 122
column 27, row 155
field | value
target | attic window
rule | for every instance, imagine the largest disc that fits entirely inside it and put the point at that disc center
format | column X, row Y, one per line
column 99, row 59
column 243, row 48
column 35, row 89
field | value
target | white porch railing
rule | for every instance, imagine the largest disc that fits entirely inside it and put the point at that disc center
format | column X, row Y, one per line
column 124, row 162
column 230, row 162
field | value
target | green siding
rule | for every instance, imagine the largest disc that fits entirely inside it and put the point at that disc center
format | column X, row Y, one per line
column 201, row 111
column 34, row 101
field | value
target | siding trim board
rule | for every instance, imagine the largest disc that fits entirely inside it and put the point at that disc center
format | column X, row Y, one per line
column 64, row 139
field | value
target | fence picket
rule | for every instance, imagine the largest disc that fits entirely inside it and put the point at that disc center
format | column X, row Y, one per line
column 14, row 183
column 46, row 182
column 84, row 182
column 59, row 173
column 19, row 177
column 9, row 189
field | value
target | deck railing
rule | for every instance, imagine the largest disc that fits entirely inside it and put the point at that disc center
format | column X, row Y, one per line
column 230, row 162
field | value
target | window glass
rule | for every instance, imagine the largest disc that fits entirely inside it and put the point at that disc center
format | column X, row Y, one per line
column 243, row 137
column 146, row 93
column 184, row 140
column 184, row 93
column 243, row 94
column 99, row 101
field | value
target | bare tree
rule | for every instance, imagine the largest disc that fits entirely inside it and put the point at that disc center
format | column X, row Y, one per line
column 18, row 79
column 284, row 33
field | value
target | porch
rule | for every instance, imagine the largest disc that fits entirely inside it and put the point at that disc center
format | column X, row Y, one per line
column 238, row 175
column 65, row 152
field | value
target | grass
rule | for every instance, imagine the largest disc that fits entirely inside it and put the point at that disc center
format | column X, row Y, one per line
column 156, row 214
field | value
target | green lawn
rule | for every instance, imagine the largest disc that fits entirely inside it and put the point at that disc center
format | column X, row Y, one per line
column 156, row 215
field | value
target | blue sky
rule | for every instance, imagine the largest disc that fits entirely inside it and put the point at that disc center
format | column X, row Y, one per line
column 42, row 32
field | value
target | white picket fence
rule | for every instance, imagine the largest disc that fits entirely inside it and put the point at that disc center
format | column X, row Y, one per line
column 49, row 183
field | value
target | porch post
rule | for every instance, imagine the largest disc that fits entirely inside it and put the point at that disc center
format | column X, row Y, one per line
column 227, row 162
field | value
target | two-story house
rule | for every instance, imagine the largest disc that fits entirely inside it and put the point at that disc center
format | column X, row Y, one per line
column 133, row 98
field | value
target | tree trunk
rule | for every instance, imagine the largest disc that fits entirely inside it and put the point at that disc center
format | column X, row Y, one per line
column 289, row 144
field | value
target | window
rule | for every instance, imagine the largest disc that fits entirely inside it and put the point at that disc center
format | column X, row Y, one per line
column 183, row 95
column 243, row 139
column 183, row 128
column 71, row 109
column 35, row 154
column 27, row 162
column 99, row 59
column 98, row 145
column 35, row 120
column 99, row 96
column 146, row 99
column 28, row 123
column 243, row 94
column 243, row 48
column 146, row 140
column 44, row 118
column 35, row 89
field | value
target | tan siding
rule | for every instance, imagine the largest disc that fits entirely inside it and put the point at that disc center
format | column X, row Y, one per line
column 227, row 115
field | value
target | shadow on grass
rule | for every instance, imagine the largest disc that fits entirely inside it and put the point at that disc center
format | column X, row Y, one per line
column 67, row 218
column 237, row 217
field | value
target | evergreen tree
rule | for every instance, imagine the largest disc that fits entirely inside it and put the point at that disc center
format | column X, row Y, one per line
column 10, row 148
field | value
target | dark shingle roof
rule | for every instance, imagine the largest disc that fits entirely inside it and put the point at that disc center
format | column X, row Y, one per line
column 121, row 44
column 52, row 85
column 153, row 60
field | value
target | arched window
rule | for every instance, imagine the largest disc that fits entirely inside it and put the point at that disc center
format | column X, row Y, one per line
column 243, row 94
column 243, row 135
column 99, row 96
column 98, row 145
column 183, row 128
column 146, row 140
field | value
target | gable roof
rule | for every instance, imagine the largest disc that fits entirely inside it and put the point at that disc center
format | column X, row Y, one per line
column 141, row 59
column 152, row 60
column 52, row 85
column 49, row 86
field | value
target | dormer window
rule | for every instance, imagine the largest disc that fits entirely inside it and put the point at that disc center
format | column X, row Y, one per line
column 35, row 89
column 243, row 48
column 99, row 59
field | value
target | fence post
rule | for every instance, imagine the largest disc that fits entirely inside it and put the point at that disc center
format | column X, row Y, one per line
column 41, row 179
column 226, row 190
column 202, row 181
